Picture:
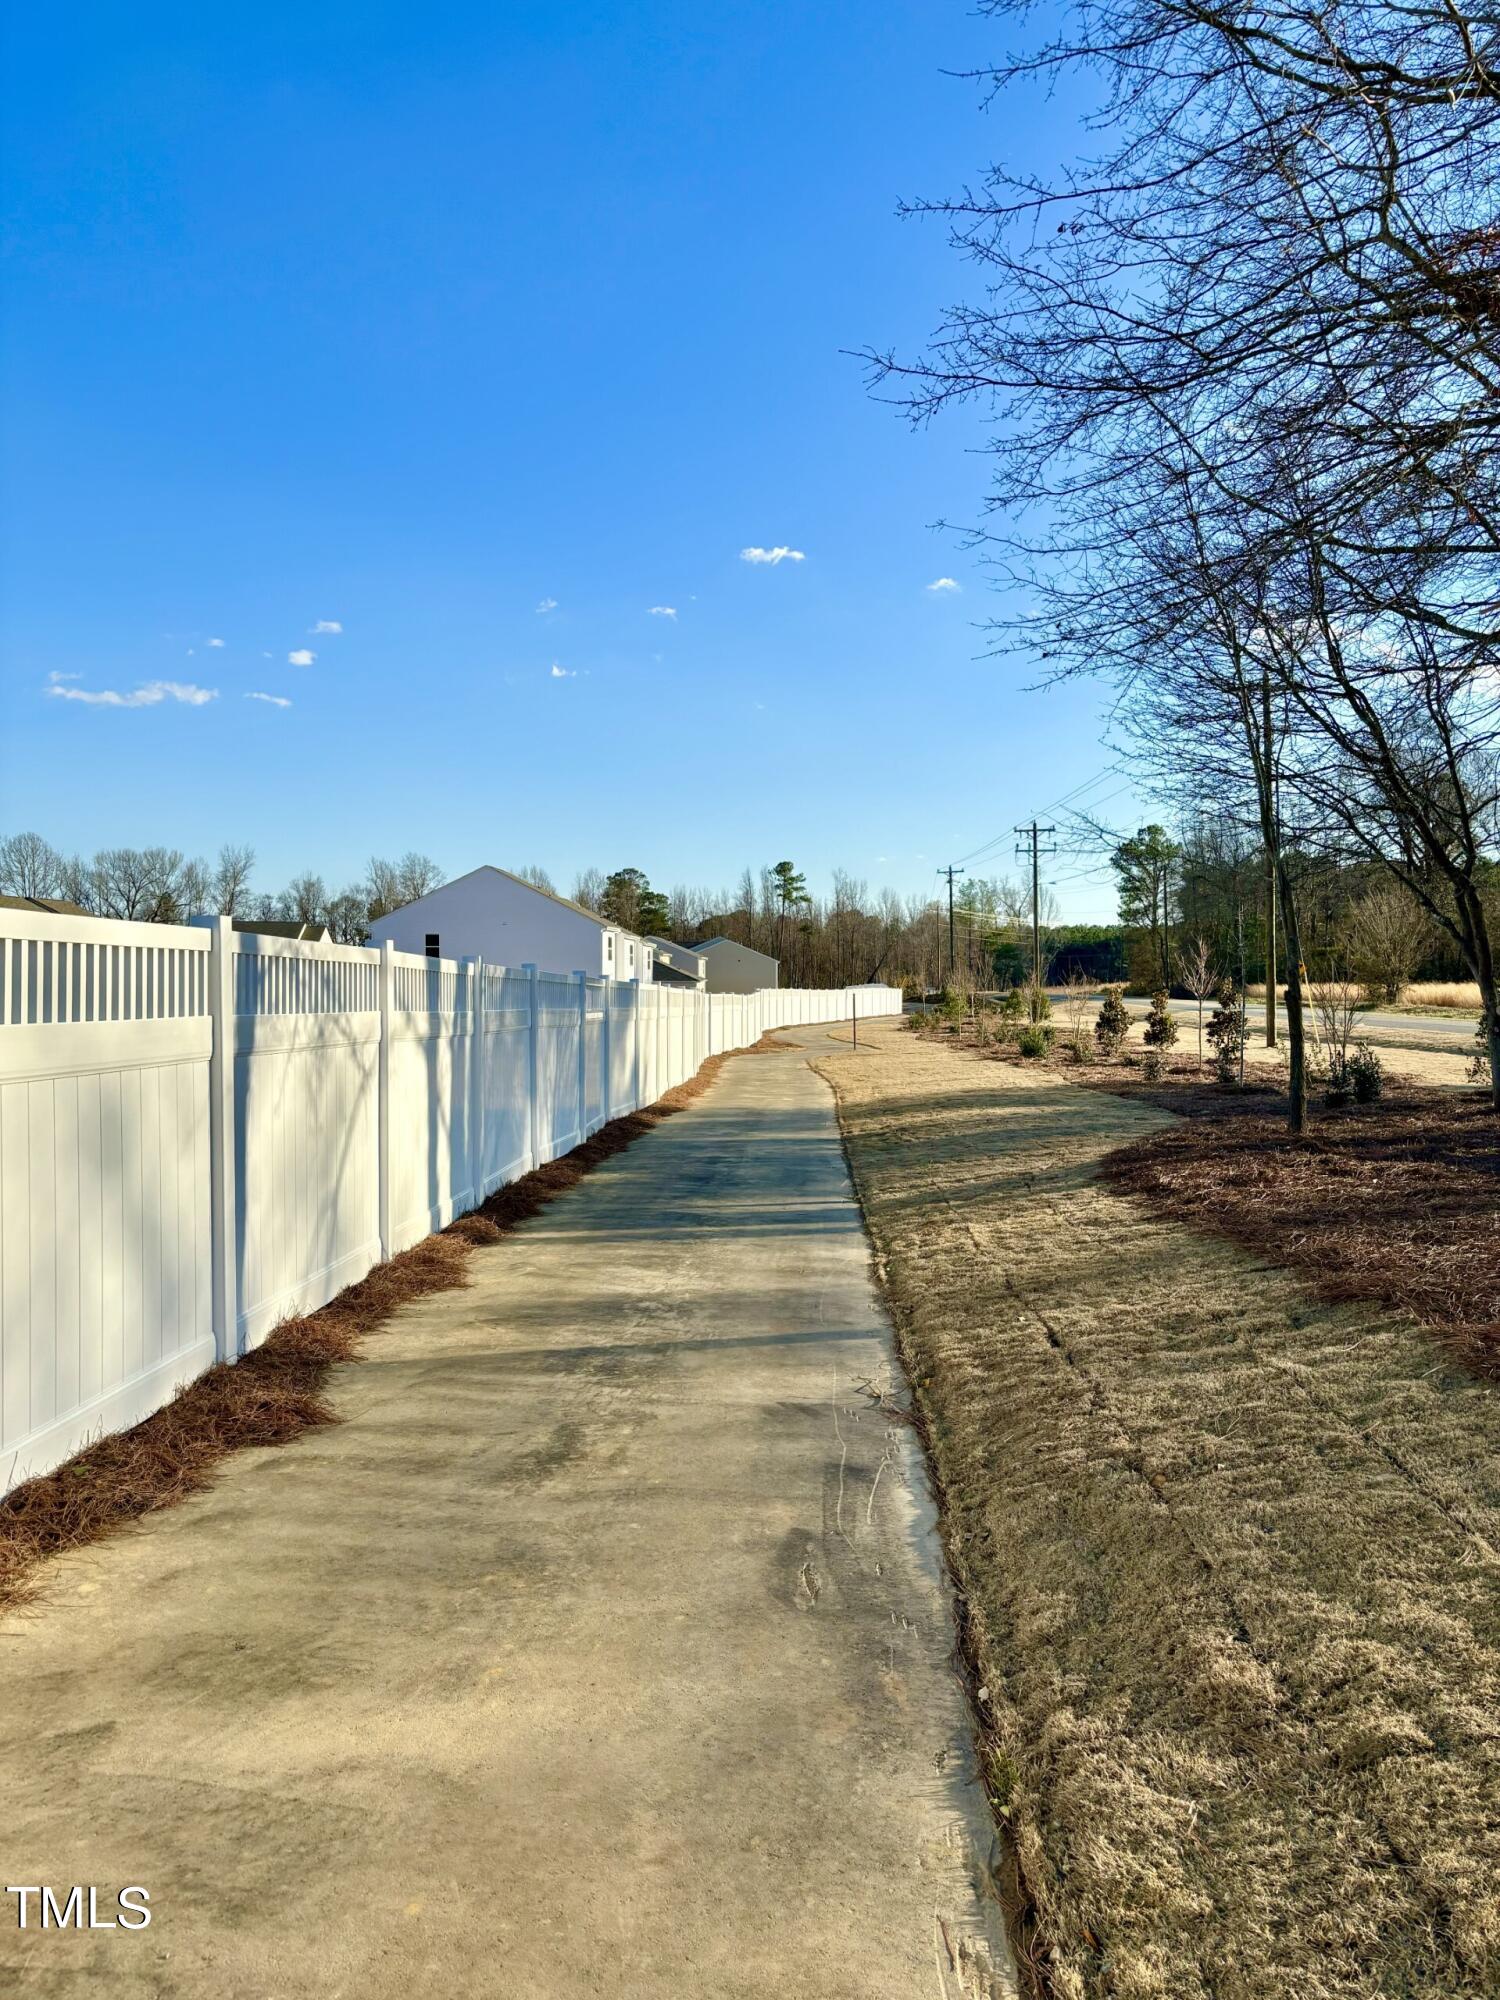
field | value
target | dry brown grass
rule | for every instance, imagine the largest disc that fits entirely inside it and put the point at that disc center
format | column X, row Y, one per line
column 277, row 1392
column 1440, row 995
column 1229, row 1556
column 1460, row 995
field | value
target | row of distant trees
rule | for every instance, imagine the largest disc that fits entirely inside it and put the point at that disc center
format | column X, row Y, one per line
column 847, row 936
column 1210, row 880
column 161, row 885
column 1242, row 367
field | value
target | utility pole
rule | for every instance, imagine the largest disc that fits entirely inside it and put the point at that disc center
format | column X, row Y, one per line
column 1033, row 834
column 952, row 954
column 1268, row 751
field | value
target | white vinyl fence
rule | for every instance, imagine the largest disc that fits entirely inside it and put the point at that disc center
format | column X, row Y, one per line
column 203, row 1132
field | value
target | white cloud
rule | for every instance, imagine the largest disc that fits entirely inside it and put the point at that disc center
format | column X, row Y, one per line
column 145, row 696
column 216, row 642
column 776, row 555
column 276, row 700
column 303, row 657
column 945, row 585
column 328, row 625
column 55, row 679
column 547, row 604
column 564, row 673
column 662, row 611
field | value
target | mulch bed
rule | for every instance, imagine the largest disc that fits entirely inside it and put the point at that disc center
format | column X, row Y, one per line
column 276, row 1392
column 1397, row 1202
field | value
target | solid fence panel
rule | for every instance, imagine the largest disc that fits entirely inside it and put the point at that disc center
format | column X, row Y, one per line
column 105, row 1236
column 557, row 1065
column 621, row 1002
column 503, row 1086
column 306, row 1034
column 595, row 1036
column 431, row 1099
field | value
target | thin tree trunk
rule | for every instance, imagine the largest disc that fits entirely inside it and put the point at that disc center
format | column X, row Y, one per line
column 1269, row 742
column 1295, row 975
column 1482, row 959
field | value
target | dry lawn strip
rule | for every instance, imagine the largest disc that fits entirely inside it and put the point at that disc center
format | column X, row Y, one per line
column 276, row 1392
column 1229, row 1556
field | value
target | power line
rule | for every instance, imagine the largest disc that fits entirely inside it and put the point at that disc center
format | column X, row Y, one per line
column 986, row 847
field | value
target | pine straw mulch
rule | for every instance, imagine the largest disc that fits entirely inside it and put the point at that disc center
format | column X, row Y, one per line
column 277, row 1391
column 1397, row 1202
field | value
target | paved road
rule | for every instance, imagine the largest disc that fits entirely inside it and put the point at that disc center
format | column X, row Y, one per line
column 1439, row 1027
column 602, row 1651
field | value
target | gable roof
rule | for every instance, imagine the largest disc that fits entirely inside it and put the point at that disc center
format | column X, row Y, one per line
column 709, row 944
column 283, row 927
column 551, row 895
column 673, row 953
column 50, row 906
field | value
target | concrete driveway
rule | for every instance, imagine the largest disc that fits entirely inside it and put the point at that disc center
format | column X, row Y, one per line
column 602, row 1651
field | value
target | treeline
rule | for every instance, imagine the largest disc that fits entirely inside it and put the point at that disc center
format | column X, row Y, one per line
column 1243, row 366
column 1357, row 919
column 161, row 885
column 847, row 936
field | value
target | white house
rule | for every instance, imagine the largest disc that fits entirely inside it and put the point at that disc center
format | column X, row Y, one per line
column 491, row 914
column 675, row 965
column 735, row 968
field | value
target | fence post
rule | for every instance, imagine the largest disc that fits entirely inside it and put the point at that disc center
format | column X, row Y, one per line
column 606, row 1045
column 223, row 1205
column 640, row 1029
column 383, row 1094
column 532, row 1067
column 476, row 1078
column 583, row 1055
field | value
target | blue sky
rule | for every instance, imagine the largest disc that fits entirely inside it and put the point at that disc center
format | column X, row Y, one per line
column 410, row 321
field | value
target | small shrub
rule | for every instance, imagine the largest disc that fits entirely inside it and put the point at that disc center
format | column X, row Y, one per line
column 1113, row 1024
column 1366, row 1074
column 1012, row 1005
column 1039, row 1003
column 1161, row 1029
column 1226, row 1031
column 1479, row 1062
column 1338, row 1086
column 1154, row 1064
column 1035, row 1039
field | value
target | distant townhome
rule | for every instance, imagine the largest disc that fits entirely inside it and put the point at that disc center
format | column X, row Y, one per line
column 47, row 906
column 735, row 968
column 276, row 927
column 491, row 914
column 675, row 964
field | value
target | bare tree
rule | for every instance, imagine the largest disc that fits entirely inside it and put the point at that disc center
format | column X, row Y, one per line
column 588, row 887
column 1276, row 282
column 1198, row 973
column 1388, row 932
column 304, row 900
column 29, row 866
column 537, row 877
column 231, row 881
column 415, row 875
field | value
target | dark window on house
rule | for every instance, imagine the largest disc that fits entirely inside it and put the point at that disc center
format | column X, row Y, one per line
column 432, row 945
